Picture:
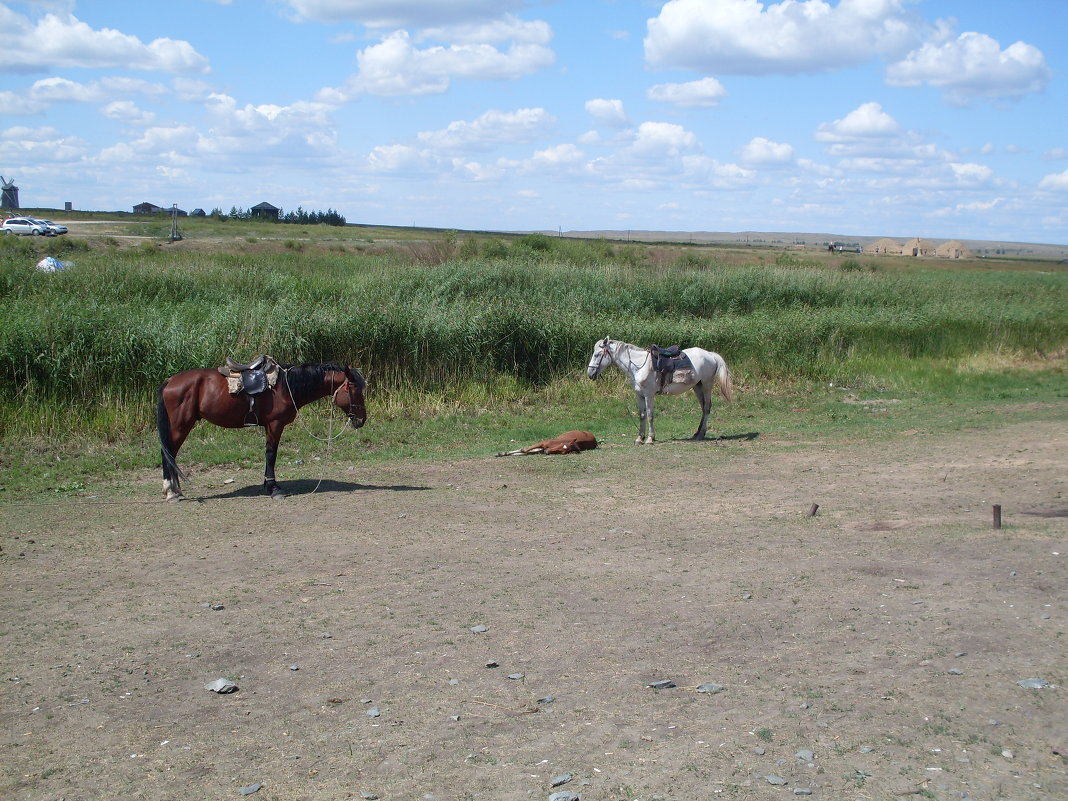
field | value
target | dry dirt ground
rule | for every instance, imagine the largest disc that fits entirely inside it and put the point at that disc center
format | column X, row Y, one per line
column 885, row 635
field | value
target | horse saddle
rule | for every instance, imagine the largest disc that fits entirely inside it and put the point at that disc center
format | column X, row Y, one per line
column 668, row 360
column 257, row 376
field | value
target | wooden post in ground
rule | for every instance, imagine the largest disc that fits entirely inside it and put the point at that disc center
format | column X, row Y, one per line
column 997, row 515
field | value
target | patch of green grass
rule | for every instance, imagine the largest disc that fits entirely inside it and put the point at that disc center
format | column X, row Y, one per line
column 470, row 341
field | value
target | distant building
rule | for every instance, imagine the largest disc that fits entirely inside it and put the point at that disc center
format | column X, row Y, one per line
column 265, row 211
column 197, row 213
column 917, row 247
column 10, row 197
column 884, row 246
column 953, row 250
column 152, row 208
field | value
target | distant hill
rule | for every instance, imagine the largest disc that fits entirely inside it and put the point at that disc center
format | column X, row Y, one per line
column 979, row 247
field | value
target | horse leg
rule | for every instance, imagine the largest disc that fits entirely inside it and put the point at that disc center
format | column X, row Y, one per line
column 270, row 486
column 642, row 417
column 646, row 432
column 173, row 430
column 704, row 397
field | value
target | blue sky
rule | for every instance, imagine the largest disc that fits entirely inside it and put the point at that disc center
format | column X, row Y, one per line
column 936, row 118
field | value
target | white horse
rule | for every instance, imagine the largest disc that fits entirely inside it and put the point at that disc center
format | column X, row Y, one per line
column 637, row 363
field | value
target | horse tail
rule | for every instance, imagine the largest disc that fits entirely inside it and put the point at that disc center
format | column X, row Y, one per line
column 171, row 471
column 723, row 380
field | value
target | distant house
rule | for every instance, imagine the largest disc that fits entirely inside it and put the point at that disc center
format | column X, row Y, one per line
column 197, row 213
column 152, row 208
column 885, row 245
column 917, row 247
column 265, row 211
column 953, row 250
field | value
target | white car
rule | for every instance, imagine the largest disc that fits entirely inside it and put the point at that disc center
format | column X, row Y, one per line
column 25, row 226
column 57, row 228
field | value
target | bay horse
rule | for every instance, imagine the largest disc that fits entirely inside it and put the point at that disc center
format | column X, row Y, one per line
column 204, row 394
column 568, row 442
column 637, row 362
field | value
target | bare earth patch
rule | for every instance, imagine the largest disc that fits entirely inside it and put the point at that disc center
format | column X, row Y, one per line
column 885, row 635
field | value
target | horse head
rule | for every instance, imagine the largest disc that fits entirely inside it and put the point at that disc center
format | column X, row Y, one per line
column 602, row 355
column 349, row 396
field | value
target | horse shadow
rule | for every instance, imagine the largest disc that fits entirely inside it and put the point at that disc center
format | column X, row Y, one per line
column 308, row 486
column 748, row 436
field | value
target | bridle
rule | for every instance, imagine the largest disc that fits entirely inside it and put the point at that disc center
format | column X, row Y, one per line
column 348, row 386
column 605, row 351
column 612, row 359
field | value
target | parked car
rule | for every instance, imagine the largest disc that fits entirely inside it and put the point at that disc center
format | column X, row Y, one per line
column 25, row 226
column 57, row 228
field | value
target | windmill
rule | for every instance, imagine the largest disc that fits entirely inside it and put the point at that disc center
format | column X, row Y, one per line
column 10, row 198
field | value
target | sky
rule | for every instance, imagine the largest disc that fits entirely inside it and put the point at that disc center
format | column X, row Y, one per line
column 902, row 118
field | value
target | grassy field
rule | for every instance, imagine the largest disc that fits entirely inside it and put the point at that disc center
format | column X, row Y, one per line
column 472, row 339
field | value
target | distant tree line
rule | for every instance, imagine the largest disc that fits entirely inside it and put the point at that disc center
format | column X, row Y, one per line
column 300, row 216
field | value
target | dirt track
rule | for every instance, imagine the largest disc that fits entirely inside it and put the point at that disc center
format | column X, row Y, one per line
column 886, row 634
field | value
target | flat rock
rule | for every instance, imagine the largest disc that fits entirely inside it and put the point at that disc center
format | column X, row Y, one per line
column 221, row 686
column 1033, row 684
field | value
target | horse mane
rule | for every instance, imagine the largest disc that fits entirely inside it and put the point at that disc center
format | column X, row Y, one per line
column 304, row 380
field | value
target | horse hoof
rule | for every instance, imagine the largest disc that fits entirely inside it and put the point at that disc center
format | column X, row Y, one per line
column 277, row 494
column 175, row 498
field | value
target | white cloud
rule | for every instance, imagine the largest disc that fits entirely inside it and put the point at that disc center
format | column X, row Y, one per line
column 399, row 13
column 190, row 90
column 703, row 92
column 127, row 111
column 397, row 158
column 508, row 28
column 490, row 129
column 64, row 41
column 395, row 66
column 710, row 173
column 971, row 173
column 745, row 37
column 59, row 90
column 973, row 66
column 303, row 127
column 155, row 141
column 558, row 156
column 23, row 145
column 1057, row 181
column 867, row 121
column 663, row 139
column 764, row 151
column 1055, row 154
column 609, row 113
column 17, row 105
